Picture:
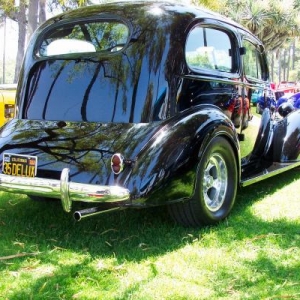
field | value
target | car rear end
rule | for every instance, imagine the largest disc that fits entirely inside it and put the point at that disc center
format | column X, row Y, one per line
column 90, row 90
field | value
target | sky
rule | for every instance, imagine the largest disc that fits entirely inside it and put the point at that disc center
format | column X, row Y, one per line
column 8, row 46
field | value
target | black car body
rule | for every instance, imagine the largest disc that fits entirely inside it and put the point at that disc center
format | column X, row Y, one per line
column 139, row 104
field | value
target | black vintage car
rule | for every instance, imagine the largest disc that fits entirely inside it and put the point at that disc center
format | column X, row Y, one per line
column 140, row 104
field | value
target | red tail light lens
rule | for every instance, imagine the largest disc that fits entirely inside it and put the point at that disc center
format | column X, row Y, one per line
column 117, row 163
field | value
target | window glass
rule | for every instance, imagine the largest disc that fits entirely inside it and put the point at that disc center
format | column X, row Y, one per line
column 251, row 61
column 74, row 90
column 208, row 48
column 85, row 37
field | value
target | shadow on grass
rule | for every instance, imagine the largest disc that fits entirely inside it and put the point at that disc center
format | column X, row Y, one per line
column 131, row 236
column 126, row 233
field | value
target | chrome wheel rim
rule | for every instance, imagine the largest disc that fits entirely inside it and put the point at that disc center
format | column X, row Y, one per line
column 215, row 182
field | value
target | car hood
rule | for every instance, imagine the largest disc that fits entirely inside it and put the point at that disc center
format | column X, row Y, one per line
column 85, row 148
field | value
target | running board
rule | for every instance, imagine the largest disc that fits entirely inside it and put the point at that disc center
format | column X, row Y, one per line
column 274, row 169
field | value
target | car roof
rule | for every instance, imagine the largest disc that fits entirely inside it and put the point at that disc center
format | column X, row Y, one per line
column 133, row 9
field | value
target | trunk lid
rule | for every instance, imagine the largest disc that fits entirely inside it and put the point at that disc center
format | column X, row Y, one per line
column 85, row 148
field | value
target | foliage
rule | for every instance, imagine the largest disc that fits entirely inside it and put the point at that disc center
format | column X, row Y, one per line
column 276, row 23
column 7, row 7
column 217, row 5
column 273, row 21
column 65, row 5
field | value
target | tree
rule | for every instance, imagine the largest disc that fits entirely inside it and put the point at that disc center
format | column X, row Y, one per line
column 21, row 19
column 217, row 5
column 29, row 14
column 26, row 15
column 275, row 22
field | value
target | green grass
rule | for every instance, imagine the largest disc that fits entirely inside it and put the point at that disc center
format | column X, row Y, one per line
column 254, row 254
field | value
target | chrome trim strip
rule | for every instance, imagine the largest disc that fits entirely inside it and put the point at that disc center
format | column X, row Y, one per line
column 63, row 189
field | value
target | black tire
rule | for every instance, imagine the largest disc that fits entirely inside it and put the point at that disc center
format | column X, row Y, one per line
column 215, row 187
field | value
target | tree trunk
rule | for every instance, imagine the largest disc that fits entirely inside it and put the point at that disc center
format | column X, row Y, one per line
column 272, row 65
column 279, row 66
column 33, row 9
column 21, row 39
column 42, row 11
column 288, row 63
column 4, row 50
column 284, row 65
column 294, row 54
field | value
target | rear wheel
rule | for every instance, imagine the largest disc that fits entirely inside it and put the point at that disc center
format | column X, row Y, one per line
column 215, row 187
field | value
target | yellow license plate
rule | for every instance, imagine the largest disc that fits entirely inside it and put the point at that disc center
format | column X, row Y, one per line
column 19, row 165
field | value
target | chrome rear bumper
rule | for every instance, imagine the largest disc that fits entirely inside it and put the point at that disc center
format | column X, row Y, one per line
column 63, row 189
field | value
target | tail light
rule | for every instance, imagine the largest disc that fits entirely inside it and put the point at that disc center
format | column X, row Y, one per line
column 117, row 163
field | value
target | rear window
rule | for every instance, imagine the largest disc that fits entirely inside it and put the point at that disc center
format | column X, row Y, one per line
column 75, row 90
column 85, row 37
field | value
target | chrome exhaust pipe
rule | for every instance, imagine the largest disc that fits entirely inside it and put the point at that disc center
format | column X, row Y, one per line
column 89, row 212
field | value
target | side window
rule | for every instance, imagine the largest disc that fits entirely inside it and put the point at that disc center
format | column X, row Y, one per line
column 251, row 60
column 208, row 48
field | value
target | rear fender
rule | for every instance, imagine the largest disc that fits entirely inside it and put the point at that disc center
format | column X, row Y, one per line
column 286, row 138
column 260, row 146
column 278, row 140
column 221, row 130
column 165, row 170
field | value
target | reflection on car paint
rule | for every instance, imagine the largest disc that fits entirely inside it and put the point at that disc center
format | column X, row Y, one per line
column 139, row 104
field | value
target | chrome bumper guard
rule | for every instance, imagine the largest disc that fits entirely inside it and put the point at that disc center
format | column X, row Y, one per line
column 63, row 189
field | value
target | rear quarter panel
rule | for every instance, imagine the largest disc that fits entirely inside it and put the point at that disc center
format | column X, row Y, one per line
column 165, row 169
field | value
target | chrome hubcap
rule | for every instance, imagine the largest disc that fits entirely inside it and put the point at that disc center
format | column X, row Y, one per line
column 215, row 182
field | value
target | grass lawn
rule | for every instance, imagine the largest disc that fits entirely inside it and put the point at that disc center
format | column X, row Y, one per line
column 254, row 254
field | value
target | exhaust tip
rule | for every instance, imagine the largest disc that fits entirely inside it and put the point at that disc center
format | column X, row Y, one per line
column 77, row 215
